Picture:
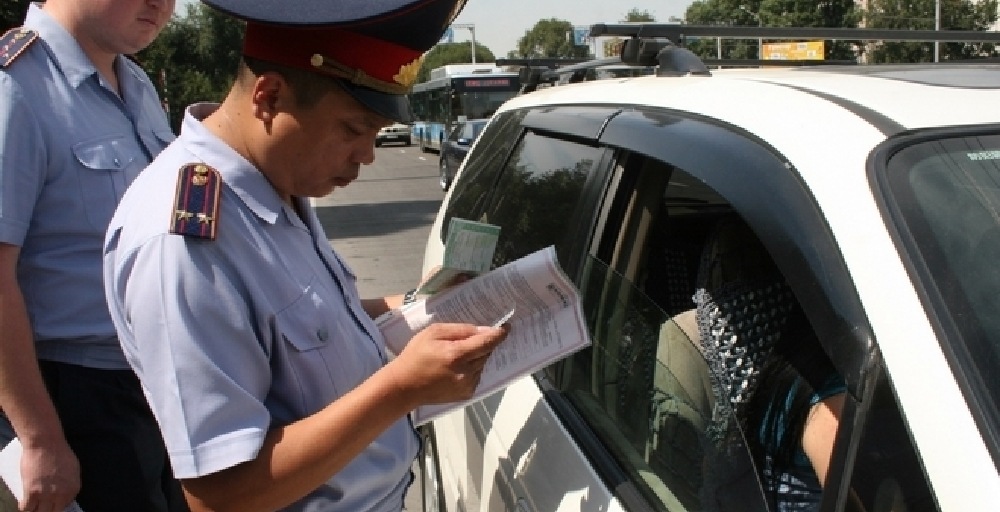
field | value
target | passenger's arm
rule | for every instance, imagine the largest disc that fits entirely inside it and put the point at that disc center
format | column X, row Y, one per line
column 49, row 468
column 819, row 433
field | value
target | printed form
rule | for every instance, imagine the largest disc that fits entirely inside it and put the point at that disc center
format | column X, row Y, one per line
column 542, row 306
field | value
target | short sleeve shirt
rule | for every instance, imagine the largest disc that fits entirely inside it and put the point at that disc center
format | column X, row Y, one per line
column 69, row 147
column 258, row 328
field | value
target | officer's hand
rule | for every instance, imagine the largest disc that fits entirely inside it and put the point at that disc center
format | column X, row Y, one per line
column 51, row 477
column 443, row 362
column 456, row 280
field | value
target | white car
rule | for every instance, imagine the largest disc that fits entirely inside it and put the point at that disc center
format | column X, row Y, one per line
column 396, row 132
column 875, row 191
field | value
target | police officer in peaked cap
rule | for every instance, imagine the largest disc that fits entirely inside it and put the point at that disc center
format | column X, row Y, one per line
column 268, row 377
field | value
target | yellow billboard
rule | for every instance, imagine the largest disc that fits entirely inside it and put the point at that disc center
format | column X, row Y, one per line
column 804, row 50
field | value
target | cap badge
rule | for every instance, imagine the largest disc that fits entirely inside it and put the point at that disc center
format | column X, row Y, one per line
column 407, row 75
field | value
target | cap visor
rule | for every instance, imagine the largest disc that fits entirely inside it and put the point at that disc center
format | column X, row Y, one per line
column 391, row 106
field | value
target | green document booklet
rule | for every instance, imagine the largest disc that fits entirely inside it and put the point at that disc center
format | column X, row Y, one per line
column 468, row 250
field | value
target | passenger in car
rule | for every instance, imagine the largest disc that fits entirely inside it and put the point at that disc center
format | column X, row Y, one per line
column 766, row 361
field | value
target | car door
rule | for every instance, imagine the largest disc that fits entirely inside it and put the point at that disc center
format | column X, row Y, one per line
column 628, row 196
column 718, row 169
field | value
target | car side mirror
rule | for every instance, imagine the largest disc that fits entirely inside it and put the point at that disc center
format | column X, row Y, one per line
column 463, row 142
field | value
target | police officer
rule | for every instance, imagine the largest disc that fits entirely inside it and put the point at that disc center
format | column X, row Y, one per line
column 264, row 368
column 78, row 121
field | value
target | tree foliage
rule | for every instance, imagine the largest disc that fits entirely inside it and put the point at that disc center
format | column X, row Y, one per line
column 919, row 14
column 771, row 13
column 452, row 53
column 194, row 59
column 551, row 38
column 12, row 13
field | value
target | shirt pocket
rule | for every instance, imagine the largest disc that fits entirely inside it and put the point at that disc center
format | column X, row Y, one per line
column 320, row 355
column 107, row 166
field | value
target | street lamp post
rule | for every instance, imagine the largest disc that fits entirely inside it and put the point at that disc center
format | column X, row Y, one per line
column 937, row 26
column 472, row 30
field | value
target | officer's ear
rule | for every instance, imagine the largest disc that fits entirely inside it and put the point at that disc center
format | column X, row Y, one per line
column 269, row 93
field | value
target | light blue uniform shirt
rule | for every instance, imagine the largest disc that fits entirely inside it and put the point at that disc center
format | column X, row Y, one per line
column 258, row 328
column 69, row 147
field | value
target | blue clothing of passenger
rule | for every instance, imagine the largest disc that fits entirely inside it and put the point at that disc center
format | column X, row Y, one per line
column 798, row 487
column 69, row 147
column 259, row 328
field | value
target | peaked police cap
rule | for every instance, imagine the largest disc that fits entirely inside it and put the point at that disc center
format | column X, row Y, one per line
column 373, row 47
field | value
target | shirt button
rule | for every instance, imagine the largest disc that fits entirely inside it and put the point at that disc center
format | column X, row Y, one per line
column 322, row 334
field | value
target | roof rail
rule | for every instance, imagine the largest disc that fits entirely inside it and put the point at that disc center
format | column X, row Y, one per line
column 757, row 63
column 678, row 33
column 550, row 71
column 541, row 62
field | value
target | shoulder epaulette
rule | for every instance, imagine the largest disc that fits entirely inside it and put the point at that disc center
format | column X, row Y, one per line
column 196, row 203
column 14, row 42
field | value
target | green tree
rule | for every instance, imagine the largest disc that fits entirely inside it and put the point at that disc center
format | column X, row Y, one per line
column 551, row 38
column 194, row 59
column 919, row 14
column 452, row 53
column 612, row 45
column 12, row 14
column 771, row 13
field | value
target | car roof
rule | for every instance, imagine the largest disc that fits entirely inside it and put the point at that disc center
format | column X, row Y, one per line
column 894, row 91
column 792, row 109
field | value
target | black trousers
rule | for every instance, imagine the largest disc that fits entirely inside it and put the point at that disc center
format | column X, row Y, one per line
column 109, row 425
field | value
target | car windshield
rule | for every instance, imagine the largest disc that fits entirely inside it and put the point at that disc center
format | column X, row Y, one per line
column 946, row 196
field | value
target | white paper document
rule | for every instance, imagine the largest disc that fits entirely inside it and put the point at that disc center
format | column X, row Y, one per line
column 10, row 471
column 532, row 294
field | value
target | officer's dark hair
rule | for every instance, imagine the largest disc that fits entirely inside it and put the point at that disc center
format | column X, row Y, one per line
column 309, row 87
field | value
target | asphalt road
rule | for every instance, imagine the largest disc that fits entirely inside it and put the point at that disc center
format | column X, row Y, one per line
column 379, row 223
column 379, row 226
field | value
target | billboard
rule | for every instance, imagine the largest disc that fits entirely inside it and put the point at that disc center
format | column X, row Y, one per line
column 804, row 50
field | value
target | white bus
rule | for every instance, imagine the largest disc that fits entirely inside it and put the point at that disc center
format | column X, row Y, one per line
column 457, row 92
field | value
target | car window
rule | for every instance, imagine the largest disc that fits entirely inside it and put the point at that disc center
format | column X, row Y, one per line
column 661, row 387
column 471, row 191
column 936, row 186
column 645, row 387
column 645, row 390
column 537, row 194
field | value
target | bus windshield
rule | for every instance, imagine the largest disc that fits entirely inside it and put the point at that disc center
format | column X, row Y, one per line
column 455, row 93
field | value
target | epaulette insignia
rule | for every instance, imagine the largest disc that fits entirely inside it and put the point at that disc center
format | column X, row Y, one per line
column 14, row 42
column 196, row 203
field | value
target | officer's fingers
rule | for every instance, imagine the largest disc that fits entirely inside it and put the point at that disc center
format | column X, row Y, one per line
column 448, row 331
column 482, row 343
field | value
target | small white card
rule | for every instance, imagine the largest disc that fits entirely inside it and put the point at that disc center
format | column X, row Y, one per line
column 10, row 471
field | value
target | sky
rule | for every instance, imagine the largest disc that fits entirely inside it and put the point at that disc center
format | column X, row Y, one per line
column 500, row 23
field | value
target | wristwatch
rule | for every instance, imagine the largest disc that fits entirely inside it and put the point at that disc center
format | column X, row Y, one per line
column 410, row 297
